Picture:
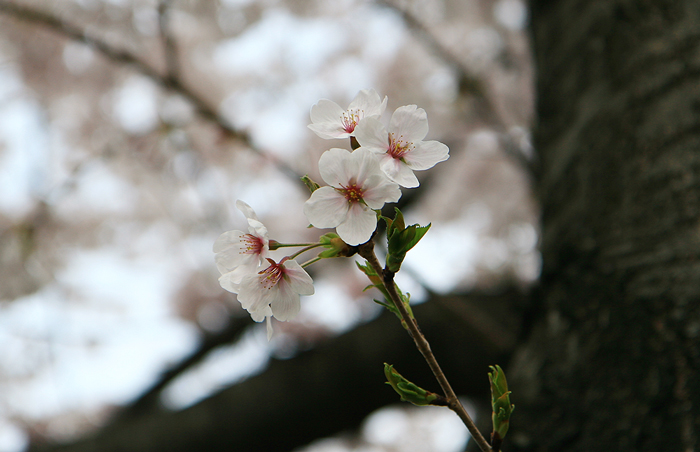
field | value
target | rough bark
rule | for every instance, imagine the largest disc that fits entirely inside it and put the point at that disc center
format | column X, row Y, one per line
column 612, row 361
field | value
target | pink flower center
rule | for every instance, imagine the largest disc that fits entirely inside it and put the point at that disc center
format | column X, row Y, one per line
column 271, row 276
column 350, row 120
column 352, row 192
column 253, row 244
column 398, row 148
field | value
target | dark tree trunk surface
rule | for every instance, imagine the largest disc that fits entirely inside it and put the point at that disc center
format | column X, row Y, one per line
column 612, row 362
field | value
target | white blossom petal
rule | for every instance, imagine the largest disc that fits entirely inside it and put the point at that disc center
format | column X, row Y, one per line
column 226, row 283
column 379, row 191
column 285, row 303
column 369, row 103
column 372, row 135
column 226, row 239
column 426, row 155
column 326, row 208
column 409, row 124
column 337, row 166
column 247, row 210
column 359, row 225
column 298, row 279
column 399, row 172
column 326, row 118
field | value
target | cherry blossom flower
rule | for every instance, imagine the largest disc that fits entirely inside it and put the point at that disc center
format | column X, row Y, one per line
column 401, row 148
column 275, row 290
column 357, row 186
column 239, row 253
column 330, row 121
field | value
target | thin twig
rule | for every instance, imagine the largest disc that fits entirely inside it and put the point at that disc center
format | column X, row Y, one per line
column 169, row 45
column 367, row 251
column 125, row 57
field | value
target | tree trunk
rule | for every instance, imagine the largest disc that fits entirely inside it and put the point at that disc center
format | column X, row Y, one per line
column 612, row 359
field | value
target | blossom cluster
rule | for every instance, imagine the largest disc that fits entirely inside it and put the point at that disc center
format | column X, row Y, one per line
column 359, row 183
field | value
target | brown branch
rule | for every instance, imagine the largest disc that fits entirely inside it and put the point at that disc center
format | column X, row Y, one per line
column 168, row 81
column 169, row 45
column 367, row 251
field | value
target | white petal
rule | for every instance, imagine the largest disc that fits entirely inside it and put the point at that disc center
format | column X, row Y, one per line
column 285, row 302
column 226, row 283
column 326, row 111
column 380, row 191
column 367, row 166
column 329, row 130
column 269, row 328
column 368, row 102
column 426, row 155
column 227, row 239
column 251, row 293
column 235, row 256
column 399, row 172
column 359, row 225
column 337, row 167
column 258, row 229
column 236, row 275
column 409, row 124
column 372, row 134
column 260, row 315
column 326, row 208
column 246, row 209
column 298, row 279
column 326, row 118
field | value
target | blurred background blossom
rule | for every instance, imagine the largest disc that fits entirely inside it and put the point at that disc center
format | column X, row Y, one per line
column 117, row 173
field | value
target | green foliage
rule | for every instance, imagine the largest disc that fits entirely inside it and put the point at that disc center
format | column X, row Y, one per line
column 310, row 184
column 401, row 239
column 500, row 401
column 408, row 391
column 335, row 247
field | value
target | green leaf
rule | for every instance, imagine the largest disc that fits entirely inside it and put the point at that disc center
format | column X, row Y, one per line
column 408, row 391
column 310, row 184
column 500, row 401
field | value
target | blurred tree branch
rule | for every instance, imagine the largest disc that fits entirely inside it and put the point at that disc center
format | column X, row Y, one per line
column 171, row 80
column 318, row 393
column 469, row 85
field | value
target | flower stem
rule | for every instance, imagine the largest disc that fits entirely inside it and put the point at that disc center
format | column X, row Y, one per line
column 311, row 261
column 367, row 251
column 310, row 247
column 274, row 244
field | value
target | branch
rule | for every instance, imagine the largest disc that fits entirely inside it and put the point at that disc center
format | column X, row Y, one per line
column 169, row 81
column 169, row 45
column 318, row 393
column 367, row 251
column 468, row 84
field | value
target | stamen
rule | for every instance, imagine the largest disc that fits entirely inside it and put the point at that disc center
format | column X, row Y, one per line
column 253, row 244
column 352, row 192
column 350, row 119
column 272, row 274
column 397, row 148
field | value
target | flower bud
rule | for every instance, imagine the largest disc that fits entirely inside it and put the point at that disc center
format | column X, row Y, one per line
column 408, row 391
column 500, row 402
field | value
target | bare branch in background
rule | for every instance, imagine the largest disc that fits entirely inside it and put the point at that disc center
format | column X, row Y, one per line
column 169, row 45
column 168, row 81
column 468, row 85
